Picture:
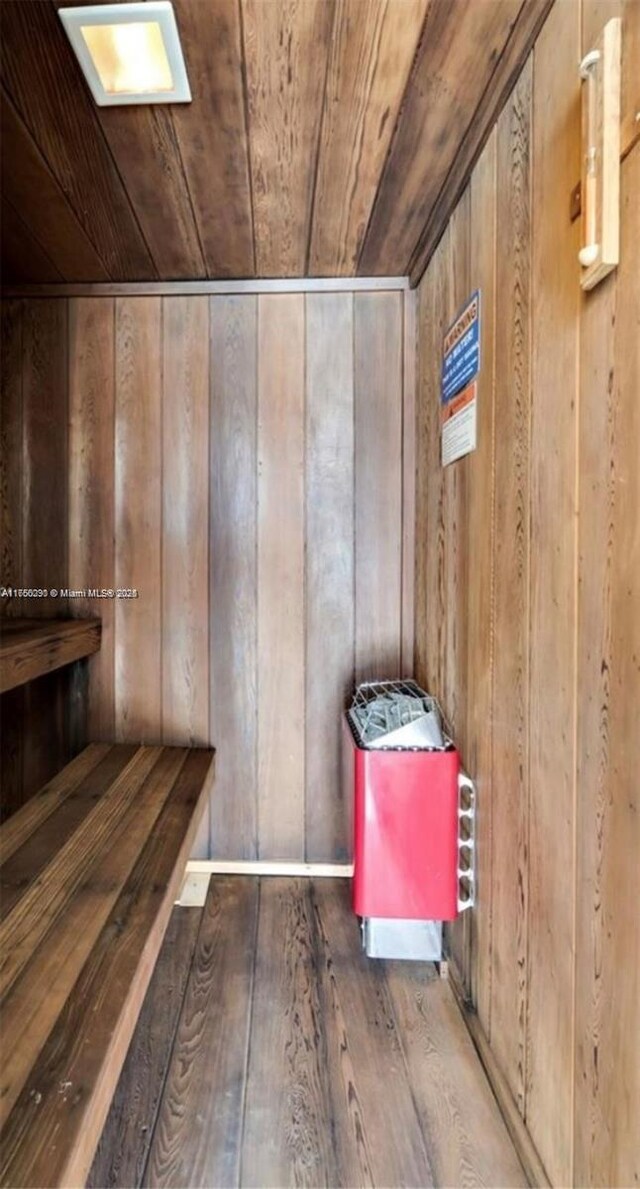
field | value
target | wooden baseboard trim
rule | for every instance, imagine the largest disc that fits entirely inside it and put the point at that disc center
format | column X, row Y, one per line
column 259, row 867
column 529, row 1158
column 215, row 288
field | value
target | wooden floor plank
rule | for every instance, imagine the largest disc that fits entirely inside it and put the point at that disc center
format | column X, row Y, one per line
column 365, row 1054
column 198, row 1133
column 288, row 1126
column 356, row 1072
column 467, row 1137
column 122, row 1153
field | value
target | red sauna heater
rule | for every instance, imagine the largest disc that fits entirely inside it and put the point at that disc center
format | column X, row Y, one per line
column 413, row 819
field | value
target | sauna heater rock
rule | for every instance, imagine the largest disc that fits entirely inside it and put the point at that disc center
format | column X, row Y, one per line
column 413, row 820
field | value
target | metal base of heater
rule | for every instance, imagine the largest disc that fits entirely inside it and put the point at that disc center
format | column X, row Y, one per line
column 405, row 940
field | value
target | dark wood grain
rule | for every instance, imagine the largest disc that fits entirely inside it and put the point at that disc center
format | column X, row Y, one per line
column 198, row 1136
column 143, row 145
column 122, row 1152
column 11, row 434
column 468, row 1140
column 213, row 128
column 68, row 1087
column 355, row 1072
column 30, row 647
column 372, row 48
column 365, row 1053
column 507, row 70
column 23, row 259
column 41, row 74
column 378, row 485
column 287, row 1135
column 185, row 520
column 284, row 107
column 233, row 575
column 30, row 860
column 33, row 191
column 91, row 491
column 45, row 459
column 329, row 536
column 446, row 84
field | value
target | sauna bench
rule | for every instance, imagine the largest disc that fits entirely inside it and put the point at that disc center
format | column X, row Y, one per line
column 30, row 648
column 89, row 870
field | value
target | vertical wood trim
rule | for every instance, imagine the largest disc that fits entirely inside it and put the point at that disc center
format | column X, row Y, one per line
column 378, row 484
column 185, row 521
column 233, row 608
column 456, row 565
column 11, row 453
column 281, row 577
column 409, row 381
column 91, row 490
column 329, row 535
column 11, row 441
column 138, row 518
column 478, row 607
column 510, row 761
column 556, row 127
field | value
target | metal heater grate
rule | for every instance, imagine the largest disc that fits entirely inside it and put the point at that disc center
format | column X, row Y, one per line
column 397, row 716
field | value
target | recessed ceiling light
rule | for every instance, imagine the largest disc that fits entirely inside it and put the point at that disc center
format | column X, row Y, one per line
column 129, row 53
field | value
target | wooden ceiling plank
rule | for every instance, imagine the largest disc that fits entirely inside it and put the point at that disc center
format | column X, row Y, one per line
column 372, row 50
column 212, row 135
column 31, row 188
column 523, row 35
column 144, row 146
column 286, row 47
column 42, row 76
column 462, row 41
column 23, row 258
column 143, row 143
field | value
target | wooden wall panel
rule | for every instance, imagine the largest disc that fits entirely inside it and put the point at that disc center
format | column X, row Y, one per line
column 552, row 643
column 234, row 578
column 44, row 475
column 138, row 517
column 456, row 560
column 479, row 598
column 185, row 520
column 281, row 684
column 608, row 939
column 511, row 559
column 556, row 940
column 329, row 578
column 91, row 490
column 212, row 456
column 378, row 484
column 11, row 438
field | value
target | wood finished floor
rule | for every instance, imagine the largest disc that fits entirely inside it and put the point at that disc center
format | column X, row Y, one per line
column 271, row 1052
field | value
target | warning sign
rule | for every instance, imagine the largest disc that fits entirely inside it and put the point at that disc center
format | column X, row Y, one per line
column 459, row 390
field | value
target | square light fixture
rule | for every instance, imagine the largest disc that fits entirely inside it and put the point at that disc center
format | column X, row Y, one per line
column 129, row 53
